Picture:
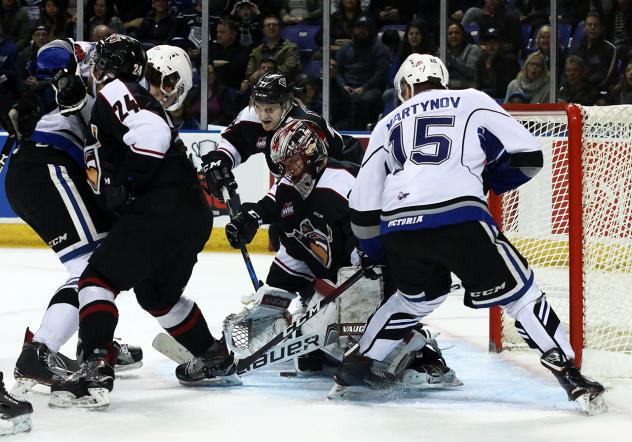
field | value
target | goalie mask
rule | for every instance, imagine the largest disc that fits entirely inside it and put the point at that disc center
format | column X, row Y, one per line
column 169, row 68
column 118, row 56
column 299, row 152
column 420, row 68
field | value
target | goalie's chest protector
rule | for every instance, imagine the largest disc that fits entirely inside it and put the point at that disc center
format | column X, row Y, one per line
column 317, row 230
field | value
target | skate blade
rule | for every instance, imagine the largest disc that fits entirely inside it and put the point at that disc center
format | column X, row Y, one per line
column 592, row 405
column 18, row 424
column 413, row 381
column 23, row 386
column 98, row 399
column 223, row 381
column 124, row 368
column 362, row 393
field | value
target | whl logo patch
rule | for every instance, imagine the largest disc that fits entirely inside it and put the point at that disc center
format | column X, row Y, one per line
column 287, row 210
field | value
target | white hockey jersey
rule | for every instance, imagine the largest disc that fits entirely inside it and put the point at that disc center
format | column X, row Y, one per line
column 68, row 133
column 426, row 163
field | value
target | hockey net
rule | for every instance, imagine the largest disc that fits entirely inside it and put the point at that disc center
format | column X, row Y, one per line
column 573, row 223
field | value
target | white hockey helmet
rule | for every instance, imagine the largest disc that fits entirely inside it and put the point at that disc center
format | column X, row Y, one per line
column 170, row 67
column 420, row 68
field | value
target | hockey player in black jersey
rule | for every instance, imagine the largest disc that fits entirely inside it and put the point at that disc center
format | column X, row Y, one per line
column 14, row 413
column 46, row 187
column 271, row 107
column 310, row 204
column 140, row 173
column 419, row 203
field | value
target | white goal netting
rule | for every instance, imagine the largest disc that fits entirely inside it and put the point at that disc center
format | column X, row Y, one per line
column 536, row 218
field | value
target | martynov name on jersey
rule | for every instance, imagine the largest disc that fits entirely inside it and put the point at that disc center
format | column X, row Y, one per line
column 423, row 106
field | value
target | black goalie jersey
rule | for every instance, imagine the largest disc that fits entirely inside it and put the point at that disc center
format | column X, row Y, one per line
column 316, row 238
column 134, row 144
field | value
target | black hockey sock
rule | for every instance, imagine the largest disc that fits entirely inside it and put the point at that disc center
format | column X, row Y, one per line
column 193, row 332
column 99, row 316
column 97, row 322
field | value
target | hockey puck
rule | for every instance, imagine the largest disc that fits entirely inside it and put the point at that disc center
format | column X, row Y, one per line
column 288, row 374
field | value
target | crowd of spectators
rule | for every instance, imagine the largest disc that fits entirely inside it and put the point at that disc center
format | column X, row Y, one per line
column 502, row 47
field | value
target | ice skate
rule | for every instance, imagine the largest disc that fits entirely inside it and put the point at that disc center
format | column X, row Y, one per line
column 89, row 387
column 15, row 415
column 128, row 357
column 357, row 378
column 589, row 394
column 215, row 367
column 38, row 365
column 428, row 369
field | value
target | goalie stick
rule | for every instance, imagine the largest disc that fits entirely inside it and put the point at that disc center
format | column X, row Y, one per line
column 270, row 352
column 232, row 201
column 283, row 352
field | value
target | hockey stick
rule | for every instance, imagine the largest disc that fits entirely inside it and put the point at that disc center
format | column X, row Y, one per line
column 232, row 201
column 271, row 352
column 8, row 125
column 285, row 351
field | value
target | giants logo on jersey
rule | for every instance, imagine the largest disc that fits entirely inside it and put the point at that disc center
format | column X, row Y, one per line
column 91, row 158
column 314, row 241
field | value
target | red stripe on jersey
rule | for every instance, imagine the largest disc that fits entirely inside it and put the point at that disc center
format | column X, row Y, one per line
column 149, row 151
column 227, row 152
column 188, row 325
column 291, row 271
column 107, row 307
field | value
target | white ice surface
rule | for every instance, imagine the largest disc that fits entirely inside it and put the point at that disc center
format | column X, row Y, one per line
column 506, row 397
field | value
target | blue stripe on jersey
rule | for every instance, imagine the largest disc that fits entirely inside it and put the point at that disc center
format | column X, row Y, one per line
column 55, row 140
column 490, row 144
column 427, row 221
column 75, row 205
column 79, row 251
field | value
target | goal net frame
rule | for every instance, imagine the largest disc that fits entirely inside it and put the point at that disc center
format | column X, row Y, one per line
column 572, row 202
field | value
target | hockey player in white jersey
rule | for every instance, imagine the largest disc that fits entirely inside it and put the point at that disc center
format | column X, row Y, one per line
column 418, row 206
column 46, row 187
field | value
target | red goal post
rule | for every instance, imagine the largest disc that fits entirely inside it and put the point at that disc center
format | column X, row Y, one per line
column 573, row 223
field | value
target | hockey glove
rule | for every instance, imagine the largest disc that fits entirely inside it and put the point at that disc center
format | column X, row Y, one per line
column 70, row 92
column 118, row 197
column 24, row 117
column 217, row 172
column 243, row 227
column 370, row 267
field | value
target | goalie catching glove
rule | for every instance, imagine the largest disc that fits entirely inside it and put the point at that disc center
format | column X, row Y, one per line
column 243, row 227
column 264, row 317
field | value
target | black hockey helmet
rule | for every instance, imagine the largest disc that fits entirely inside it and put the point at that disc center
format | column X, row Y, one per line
column 270, row 89
column 119, row 56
